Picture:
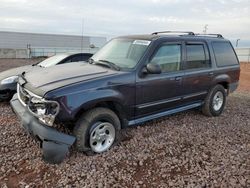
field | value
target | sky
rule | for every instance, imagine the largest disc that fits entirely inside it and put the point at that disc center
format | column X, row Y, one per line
column 112, row 18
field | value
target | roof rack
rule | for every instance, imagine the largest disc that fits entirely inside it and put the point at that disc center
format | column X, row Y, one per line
column 212, row 35
column 187, row 32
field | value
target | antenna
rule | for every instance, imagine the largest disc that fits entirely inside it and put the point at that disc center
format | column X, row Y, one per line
column 205, row 29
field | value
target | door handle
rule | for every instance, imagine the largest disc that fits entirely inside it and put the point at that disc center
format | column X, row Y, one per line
column 211, row 74
column 178, row 78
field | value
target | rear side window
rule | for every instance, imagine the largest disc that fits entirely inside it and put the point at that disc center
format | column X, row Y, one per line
column 224, row 54
column 196, row 57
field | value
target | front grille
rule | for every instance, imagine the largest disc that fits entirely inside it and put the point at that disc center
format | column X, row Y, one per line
column 23, row 95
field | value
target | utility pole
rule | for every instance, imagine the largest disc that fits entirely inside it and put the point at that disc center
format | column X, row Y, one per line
column 237, row 42
column 205, row 29
column 82, row 35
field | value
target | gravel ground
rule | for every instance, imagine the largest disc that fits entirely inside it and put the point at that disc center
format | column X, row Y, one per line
column 182, row 150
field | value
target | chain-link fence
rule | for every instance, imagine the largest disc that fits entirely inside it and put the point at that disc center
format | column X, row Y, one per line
column 243, row 54
column 47, row 52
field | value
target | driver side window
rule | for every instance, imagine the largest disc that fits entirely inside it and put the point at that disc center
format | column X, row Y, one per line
column 168, row 57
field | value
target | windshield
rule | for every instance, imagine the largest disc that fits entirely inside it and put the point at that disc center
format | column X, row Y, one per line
column 124, row 53
column 51, row 61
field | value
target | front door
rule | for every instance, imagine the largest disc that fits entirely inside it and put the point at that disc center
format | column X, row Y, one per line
column 160, row 92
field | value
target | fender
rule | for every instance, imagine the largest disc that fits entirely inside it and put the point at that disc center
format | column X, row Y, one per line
column 74, row 103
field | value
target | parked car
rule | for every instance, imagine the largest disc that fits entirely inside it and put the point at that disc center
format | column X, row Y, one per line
column 131, row 80
column 8, row 79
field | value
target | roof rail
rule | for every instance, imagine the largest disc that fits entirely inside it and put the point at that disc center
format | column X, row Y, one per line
column 187, row 32
column 212, row 35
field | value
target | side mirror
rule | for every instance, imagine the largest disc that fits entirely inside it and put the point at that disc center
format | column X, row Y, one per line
column 152, row 69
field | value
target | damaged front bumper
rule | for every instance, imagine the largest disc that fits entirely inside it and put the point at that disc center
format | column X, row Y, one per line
column 55, row 145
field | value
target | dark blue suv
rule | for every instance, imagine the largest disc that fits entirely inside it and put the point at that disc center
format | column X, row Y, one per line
column 131, row 80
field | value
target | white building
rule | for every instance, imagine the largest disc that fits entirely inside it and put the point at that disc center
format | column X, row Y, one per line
column 25, row 45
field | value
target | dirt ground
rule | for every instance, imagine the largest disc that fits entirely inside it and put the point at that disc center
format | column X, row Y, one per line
column 244, row 77
column 6, row 64
column 182, row 150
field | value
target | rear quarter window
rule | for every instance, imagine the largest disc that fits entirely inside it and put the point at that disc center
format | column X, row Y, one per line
column 224, row 54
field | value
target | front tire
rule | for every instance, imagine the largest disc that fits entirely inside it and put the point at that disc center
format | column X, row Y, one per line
column 6, row 96
column 215, row 101
column 97, row 130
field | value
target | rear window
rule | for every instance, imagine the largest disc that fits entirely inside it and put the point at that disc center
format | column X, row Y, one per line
column 224, row 54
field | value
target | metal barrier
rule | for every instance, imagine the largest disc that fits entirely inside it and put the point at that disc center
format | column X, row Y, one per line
column 47, row 52
column 243, row 54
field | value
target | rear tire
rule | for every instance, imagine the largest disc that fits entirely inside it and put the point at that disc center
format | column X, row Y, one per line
column 215, row 101
column 97, row 130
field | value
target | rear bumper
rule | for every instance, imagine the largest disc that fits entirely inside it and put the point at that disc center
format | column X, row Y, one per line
column 55, row 144
column 233, row 87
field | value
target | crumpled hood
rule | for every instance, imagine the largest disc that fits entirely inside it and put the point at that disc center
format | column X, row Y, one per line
column 17, row 71
column 41, row 81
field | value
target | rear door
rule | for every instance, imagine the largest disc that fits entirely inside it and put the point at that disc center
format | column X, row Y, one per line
column 198, row 71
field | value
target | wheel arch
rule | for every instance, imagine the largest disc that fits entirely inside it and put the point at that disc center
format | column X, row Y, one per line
column 223, row 80
column 112, row 104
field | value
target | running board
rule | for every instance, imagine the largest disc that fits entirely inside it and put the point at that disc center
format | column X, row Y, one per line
column 162, row 114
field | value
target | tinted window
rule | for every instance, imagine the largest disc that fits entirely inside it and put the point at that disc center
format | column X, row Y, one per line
column 80, row 57
column 168, row 57
column 196, row 57
column 224, row 54
column 76, row 58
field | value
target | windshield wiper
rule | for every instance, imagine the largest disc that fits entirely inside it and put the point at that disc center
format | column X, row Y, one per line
column 37, row 63
column 104, row 63
column 110, row 64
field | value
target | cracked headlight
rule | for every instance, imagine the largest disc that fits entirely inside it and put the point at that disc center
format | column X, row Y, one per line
column 9, row 80
column 44, row 110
